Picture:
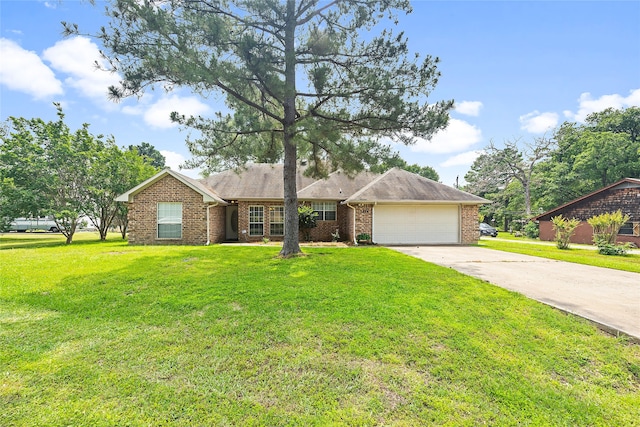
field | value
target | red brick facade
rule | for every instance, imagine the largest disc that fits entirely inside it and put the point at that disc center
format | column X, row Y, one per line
column 610, row 200
column 470, row 232
column 143, row 214
column 350, row 221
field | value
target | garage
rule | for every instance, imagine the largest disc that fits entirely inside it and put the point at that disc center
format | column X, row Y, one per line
column 416, row 224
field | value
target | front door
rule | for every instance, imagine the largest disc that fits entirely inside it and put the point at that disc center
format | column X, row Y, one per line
column 231, row 222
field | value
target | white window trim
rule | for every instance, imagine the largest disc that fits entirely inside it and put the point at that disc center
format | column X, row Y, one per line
column 322, row 212
column 271, row 222
column 158, row 220
column 250, row 222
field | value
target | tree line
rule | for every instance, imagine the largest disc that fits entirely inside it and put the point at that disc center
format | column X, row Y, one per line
column 523, row 179
column 46, row 169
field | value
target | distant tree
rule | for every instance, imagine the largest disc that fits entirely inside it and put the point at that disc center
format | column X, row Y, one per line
column 603, row 150
column 395, row 161
column 300, row 77
column 496, row 168
column 154, row 157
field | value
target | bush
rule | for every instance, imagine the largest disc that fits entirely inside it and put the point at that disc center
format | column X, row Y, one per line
column 531, row 230
column 606, row 227
column 307, row 219
column 609, row 249
column 564, row 229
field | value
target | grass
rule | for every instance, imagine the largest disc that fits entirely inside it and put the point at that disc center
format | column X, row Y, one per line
column 576, row 253
column 105, row 334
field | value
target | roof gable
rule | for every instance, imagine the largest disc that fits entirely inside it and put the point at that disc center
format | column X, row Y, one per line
column 207, row 194
column 398, row 185
column 623, row 183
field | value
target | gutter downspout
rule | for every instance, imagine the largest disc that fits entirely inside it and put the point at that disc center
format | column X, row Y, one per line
column 353, row 229
column 208, row 226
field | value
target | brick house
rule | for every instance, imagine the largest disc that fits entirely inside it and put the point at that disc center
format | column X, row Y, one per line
column 623, row 195
column 397, row 207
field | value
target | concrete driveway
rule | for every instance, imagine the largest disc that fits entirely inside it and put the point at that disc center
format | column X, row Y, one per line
column 609, row 298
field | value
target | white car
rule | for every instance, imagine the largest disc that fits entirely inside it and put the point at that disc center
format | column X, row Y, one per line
column 33, row 224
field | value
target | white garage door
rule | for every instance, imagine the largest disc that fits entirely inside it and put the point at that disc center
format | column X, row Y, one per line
column 415, row 224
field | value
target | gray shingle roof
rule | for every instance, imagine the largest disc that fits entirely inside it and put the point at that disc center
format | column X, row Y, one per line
column 337, row 186
column 258, row 181
column 397, row 185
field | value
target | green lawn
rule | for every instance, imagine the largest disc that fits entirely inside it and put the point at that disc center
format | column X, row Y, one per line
column 576, row 253
column 104, row 334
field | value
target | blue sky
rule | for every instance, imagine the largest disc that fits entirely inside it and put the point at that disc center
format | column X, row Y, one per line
column 515, row 69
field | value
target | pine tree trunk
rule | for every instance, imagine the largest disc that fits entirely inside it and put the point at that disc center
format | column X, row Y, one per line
column 291, row 245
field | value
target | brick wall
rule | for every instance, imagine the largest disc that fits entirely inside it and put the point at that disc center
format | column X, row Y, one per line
column 322, row 233
column 364, row 219
column 470, row 231
column 143, row 214
column 625, row 199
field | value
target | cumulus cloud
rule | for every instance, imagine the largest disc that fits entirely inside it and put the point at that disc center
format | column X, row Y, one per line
column 458, row 136
column 26, row 72
column 463, row 159
column 77, row 57
column 175, row 160
column 158, row 114
column 469, row 108
column 587, row 104
column 537, row 122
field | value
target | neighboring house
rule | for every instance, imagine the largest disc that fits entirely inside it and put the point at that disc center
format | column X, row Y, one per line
column 623, row 195
column 397, row 207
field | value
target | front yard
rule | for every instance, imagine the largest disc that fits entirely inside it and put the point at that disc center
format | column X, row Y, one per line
column 107, row 334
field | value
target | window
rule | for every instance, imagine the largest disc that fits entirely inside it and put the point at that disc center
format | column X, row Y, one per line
column 169, row 220
column 326, row 210
column 626, row 229
column 256, row 220
column 276, row 221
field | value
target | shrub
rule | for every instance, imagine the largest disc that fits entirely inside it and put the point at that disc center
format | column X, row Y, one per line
column 531, row 230
column 363, row 237
column 606, row 227
column 307, row 219
column 609, row 249
column 564, row 229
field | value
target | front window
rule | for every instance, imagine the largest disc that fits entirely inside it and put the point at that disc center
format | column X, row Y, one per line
column 169, row 220
column 276, row 221
column 256, row 220
column 326, row 210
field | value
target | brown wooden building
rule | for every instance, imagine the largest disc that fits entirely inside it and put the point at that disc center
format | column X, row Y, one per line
column 623, row 195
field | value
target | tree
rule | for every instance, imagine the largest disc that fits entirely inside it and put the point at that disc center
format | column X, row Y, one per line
column 300, row 77
column 47, row 164
column 45, row 168
column 603, row 150
column 148, row 151
column 113, row 171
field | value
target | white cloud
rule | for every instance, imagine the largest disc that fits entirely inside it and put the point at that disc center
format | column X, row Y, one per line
column 458, row 136
column 158, row 114
column 588, row 105
column 469, row 108
column 25, row 72
column 77, row 57
column 175, row 160
column 537, row 122
column 463, row 159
